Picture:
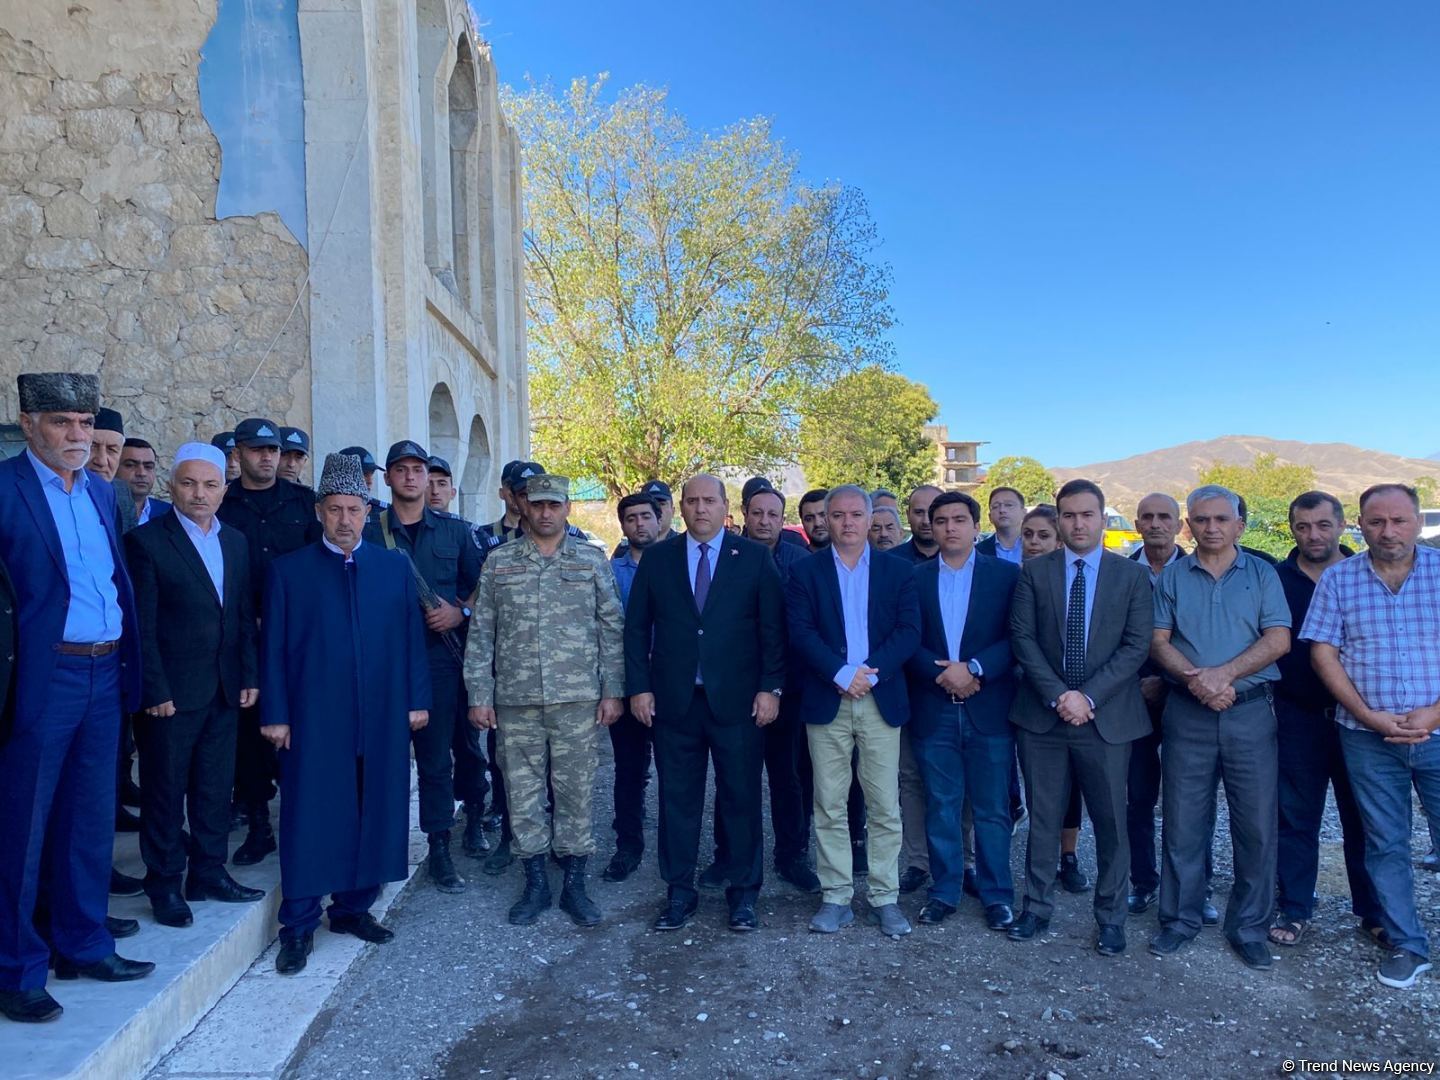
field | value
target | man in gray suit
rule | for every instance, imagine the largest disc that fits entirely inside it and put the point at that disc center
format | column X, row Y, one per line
column 1080, row 626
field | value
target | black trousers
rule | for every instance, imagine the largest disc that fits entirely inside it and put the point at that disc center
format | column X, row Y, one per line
column 256, row 765
column 684, row 747
column 435, row 749
column 497, row 786
column 472, row 781
column 187, row 766
column 632, row 743
column 788, row 818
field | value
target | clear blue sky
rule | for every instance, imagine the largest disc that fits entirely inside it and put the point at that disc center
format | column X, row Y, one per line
column 1113, row 226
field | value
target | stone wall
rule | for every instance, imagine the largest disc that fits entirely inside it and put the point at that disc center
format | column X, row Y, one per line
column 111, row 259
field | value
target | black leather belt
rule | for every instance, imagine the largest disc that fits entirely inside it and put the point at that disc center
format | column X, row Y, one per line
column 1243, row 697
column 93, row 650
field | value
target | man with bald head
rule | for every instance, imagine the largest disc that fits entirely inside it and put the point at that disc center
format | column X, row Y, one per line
column 705, row 669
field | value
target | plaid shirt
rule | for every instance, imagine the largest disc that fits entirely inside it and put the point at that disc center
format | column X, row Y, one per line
column 1389, row 642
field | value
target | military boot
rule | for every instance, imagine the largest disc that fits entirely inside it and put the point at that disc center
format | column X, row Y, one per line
column 475, row 843
column 259, row 841
column 499, row 859
column 573, row 900
column 536, row 897
column 441, row 867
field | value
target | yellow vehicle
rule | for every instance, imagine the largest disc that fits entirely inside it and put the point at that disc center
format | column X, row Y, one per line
column 1120, row 534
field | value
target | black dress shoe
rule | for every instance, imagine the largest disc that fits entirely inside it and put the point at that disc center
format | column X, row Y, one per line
column 223, row 888
column 713, row 877
column 125, row 885
column 935, row 912
column 171, row 910
column 259, row 842
column 798, row 873
column 1167, row 943
column 1027, row 926
column 125, row 821
column 114, row 968
column 499, row 860
column 122, row 928
column 1140, row 902
column 1110, row 940
column 1210, row 914
column 239, row 816
column 999, row 917
column 913, row 878
column 967, row 883
column 362, row 926
column 293, row 952
column 676, row 914
column 742, row 918
column 622, row 866
column 1255, row 954
column 1071, row 879
column 29, row 1006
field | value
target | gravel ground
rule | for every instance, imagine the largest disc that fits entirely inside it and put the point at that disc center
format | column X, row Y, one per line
column 460, row 993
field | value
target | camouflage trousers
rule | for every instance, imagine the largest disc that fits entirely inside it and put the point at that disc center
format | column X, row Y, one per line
column 536, row 742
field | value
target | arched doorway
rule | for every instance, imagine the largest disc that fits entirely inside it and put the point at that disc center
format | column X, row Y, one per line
column 444, row 424
column 477, row 487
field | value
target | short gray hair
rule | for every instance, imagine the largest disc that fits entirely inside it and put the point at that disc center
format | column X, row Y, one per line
column 886, row 510
column 849, row 489
column 1212, row 491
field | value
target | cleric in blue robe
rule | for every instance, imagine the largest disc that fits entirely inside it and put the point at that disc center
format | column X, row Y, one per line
column 344, row 680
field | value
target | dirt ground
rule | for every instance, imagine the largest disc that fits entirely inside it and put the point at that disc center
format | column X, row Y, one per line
column 460, row 993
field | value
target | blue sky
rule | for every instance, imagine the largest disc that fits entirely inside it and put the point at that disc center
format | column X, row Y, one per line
column 1113, row 226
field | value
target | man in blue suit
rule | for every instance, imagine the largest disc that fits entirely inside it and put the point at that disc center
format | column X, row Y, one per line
column 962, row 683
column 853, row 622
column 78, row 664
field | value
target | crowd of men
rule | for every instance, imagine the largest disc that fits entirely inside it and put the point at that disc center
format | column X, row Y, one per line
column 896, row 695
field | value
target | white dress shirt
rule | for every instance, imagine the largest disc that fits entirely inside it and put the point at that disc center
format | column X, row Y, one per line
column 955, row 586
column 207, row 545
column 855, row 606
column 1092, row 571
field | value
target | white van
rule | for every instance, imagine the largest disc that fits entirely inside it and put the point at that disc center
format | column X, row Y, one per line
column 1429, row 524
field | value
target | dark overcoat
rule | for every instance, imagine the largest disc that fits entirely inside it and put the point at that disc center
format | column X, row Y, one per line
column 343, row 663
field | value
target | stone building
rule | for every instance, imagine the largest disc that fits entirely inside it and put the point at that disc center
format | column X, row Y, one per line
column 302, row 209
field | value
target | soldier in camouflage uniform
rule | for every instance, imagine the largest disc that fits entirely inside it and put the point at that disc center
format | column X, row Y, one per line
column 545, row 666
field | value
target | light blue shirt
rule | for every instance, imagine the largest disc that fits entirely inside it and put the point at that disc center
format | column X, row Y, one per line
column 692, row 553
column 625, row 568
column 1092, row 570
column 1014, row 554
column 144, row 515
column 208, row 547
column 94, row 612
column 955, row 586
column 855, row 605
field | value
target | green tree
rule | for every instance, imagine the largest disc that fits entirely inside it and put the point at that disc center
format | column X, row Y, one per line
column 867, row 428
column 686, row 291
column 1024, row 474
column 1426, row 488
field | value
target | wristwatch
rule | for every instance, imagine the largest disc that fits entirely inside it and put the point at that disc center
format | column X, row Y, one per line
column 466, row 612
column 779, row 692
column 975, row 669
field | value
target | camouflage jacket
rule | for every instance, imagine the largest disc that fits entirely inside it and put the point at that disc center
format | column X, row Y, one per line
column 545, row 631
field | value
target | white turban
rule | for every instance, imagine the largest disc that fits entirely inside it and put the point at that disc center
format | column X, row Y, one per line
column 199, row 451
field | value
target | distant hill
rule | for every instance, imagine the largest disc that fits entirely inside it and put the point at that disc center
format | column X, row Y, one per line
column 1340, row 468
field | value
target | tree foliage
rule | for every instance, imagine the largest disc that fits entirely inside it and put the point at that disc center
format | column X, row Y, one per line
column 867, row 428
column 1024, row 474
column 686, row 291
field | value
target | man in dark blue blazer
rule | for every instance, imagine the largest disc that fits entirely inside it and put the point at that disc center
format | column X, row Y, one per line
column 138, row 468
column 853, row 622
column 705, row 668
column 962, row 684
column 78, row 664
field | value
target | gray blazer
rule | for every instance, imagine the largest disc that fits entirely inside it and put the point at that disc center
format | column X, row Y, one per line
column 1121, row 623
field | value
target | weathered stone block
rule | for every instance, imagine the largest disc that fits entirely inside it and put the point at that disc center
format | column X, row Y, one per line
column 70, row 215
column 54, row 254
column 158, row 126
column 160, row 320
column 41, row 189
column 208, row 336
column 228, row 298
column 72, row 94
column 21, row 214
column 29, row 131
column 99, row 129
column 133, row 241
column 152, row 88
column 60, row 162
column 153, row 197
column 197, row 245
column 117, row 89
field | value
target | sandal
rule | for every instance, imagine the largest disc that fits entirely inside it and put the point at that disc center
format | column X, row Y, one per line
column 1378, row 934
column 1295, row 928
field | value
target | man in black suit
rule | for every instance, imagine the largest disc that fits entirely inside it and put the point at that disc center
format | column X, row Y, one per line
column 705, row 667
column 197, row 625
column 1080, row 626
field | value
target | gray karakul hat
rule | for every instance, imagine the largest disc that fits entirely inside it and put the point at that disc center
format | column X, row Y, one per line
column 59, row 391
column 342, row 475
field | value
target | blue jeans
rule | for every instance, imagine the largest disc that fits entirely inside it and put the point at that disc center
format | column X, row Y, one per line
column 1381, row 774
column 959, row 761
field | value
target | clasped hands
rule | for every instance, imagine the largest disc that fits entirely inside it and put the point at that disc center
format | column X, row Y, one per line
column 1407, row 729
column 956, row 679
column 1211, row 686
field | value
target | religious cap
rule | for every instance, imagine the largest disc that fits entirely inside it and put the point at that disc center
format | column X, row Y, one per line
column 343, row 474
column 199, row 451
column 367, row 459
column 293, row 440
column 58, row 391
column 109, row 420
column 406, row 448
column 542, row 487
column 257, row 432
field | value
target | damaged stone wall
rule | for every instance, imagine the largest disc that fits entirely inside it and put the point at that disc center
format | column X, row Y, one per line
column 111, row 259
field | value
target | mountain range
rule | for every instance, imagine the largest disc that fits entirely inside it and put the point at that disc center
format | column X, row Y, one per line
column 1340, row 468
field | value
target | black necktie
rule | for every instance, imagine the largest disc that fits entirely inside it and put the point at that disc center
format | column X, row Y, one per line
column 1075, row 630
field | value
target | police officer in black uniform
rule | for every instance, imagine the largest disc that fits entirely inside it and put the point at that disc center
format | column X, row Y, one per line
column 225, row 443
column 447, row 566
column 276, row 516
column 294, row 453
column 369, row 468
